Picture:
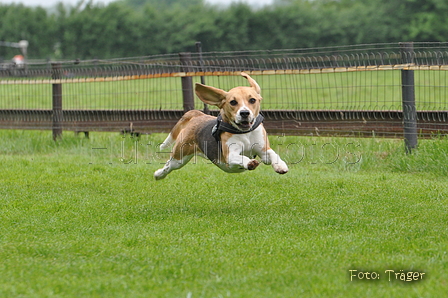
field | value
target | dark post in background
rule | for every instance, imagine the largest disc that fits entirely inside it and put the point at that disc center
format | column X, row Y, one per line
column 187, row 82
column 57, row 101
column 408, row 98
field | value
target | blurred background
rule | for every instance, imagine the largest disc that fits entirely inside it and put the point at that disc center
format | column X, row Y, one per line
column 106, row 29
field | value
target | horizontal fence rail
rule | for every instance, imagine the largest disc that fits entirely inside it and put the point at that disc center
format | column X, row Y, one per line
column 354, row 90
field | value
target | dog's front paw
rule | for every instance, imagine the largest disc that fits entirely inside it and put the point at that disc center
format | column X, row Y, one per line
column 252, row 164
column 160, row 174
column 280, row 167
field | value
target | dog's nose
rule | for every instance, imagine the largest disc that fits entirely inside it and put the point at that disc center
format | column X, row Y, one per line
column 244, row 113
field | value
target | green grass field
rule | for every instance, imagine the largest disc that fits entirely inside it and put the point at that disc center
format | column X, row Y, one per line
column 362, row 90
column 85, row 218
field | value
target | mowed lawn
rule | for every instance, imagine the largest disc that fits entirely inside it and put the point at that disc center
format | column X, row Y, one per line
column 85, row 218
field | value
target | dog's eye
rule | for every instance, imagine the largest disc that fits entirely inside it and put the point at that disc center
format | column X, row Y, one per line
column 233, row 103
column 252, row 100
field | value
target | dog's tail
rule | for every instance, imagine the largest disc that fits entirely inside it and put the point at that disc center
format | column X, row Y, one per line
column 180, row 125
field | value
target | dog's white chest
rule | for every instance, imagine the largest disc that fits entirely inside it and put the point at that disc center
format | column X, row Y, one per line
column 247, row 144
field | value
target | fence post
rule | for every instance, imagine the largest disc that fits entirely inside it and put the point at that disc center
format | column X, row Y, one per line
column 408, row 98
column 187, row 82
column 57, row 101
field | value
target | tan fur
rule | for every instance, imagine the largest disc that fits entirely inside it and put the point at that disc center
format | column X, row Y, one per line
column 267, row 145
column 225, row 149
column 183, row 133
column 183, row 122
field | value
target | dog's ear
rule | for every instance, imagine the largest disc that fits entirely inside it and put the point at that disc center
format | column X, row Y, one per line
column 252, row 82
column 211, row 95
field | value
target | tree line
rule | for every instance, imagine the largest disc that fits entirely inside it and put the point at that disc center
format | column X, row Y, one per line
column 130, row 28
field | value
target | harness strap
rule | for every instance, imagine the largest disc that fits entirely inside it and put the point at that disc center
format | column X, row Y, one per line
column 222, row 126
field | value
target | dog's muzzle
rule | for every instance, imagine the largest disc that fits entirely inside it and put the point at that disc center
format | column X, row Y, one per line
column 244, row 122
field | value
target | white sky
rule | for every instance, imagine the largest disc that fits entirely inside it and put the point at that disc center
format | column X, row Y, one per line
column 49, row 3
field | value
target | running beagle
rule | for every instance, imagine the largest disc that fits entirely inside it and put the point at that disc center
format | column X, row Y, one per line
column 231, row 141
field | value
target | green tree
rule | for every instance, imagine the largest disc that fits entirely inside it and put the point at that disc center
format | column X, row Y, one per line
column 145, row 27
column 100, row 31
column 428, row 21
column 163, row 4
column 25, row 23
column 233, row 28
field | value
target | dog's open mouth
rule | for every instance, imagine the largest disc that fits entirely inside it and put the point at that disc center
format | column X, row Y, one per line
column 245, row 125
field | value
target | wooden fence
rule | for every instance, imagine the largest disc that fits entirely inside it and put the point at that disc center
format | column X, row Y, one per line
column 392, row 90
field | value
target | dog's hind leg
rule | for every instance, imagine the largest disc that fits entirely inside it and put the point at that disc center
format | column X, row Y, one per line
column 181, row 155
column 171, row 165
column 168, row 142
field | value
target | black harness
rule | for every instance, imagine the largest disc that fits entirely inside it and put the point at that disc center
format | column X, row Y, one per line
column 222, row 126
